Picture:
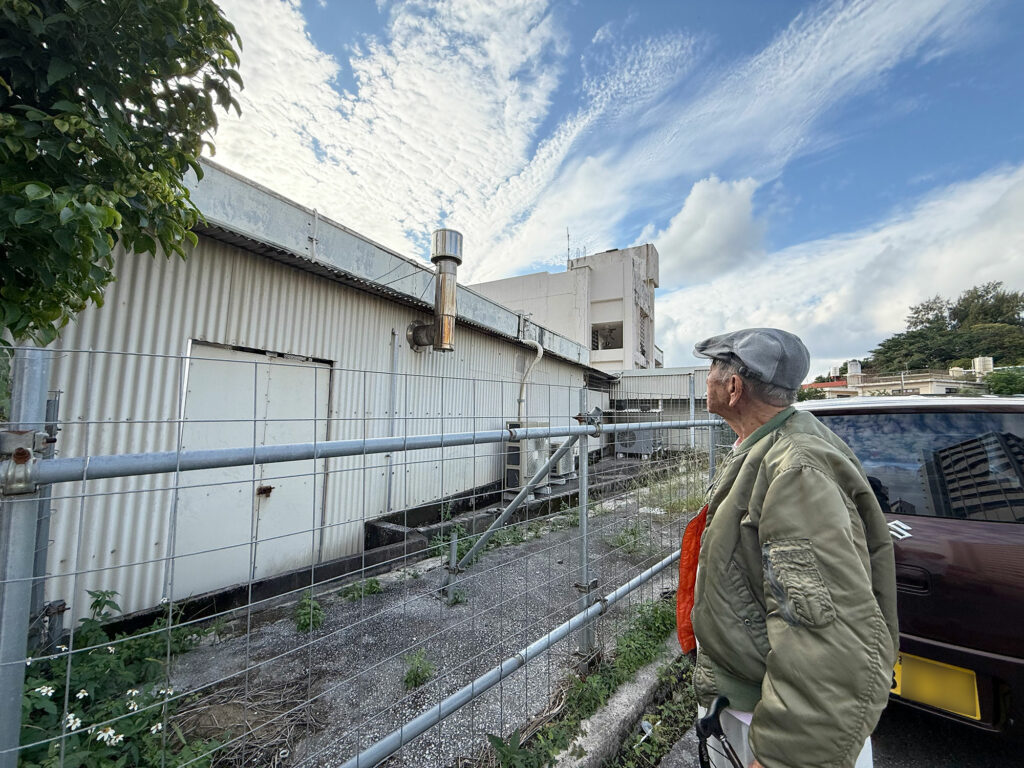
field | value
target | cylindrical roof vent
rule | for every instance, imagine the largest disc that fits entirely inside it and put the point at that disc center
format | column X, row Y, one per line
column 446, row 253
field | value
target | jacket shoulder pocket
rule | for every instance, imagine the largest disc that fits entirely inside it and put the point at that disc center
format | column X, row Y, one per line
column 792, row 574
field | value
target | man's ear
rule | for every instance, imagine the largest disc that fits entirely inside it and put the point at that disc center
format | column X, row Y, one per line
column 735, row 390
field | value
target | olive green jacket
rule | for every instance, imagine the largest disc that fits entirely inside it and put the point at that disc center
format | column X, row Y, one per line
column 795, row 600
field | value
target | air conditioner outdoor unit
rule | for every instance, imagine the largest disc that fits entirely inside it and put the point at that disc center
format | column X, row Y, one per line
column 637, row 442
column 565, row 468
column 523, row 458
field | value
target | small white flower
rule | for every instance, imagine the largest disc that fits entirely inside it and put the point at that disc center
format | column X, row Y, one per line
column 106, row 735
column 166, row 691
column 110, row 649
column 117, row 739
column 133, row 705
column 28, row 662
column 45, row 690
column 72, row 722
column 157, row 728
column 82, row 694
column 132, row 692
column 62, row 648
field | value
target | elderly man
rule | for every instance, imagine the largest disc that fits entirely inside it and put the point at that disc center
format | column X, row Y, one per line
column 794, row 601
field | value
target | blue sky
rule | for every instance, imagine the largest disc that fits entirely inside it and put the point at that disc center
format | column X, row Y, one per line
column 815, row 166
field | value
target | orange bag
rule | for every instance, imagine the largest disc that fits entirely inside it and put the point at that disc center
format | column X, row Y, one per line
column 688, row 556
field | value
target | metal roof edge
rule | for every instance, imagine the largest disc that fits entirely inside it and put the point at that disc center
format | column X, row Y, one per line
column 232, row 203
column 679, row 370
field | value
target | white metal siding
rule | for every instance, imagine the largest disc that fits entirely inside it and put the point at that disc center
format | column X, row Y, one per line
column 116, row 535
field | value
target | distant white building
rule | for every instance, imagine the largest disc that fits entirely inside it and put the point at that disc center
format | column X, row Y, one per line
column 923, row 382
column 604, row 301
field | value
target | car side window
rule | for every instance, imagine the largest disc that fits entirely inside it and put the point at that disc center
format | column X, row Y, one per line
column 966, row 466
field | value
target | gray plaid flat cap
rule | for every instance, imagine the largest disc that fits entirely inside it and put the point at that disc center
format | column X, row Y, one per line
column 767, row 354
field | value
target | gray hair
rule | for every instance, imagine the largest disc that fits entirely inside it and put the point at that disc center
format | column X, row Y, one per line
column 771, row 394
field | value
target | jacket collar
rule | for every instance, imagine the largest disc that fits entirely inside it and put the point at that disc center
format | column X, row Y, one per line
column 768, row 427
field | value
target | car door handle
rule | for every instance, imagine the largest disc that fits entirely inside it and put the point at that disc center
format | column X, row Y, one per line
column 910, row 578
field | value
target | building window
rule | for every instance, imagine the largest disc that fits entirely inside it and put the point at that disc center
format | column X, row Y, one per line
column 608, row 335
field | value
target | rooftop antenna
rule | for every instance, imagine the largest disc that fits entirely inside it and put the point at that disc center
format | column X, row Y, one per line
column 568, row 249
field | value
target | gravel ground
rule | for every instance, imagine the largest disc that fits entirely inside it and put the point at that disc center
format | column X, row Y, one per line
column 352, row 668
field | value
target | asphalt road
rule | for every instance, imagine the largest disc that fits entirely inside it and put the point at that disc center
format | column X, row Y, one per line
column 908, row 738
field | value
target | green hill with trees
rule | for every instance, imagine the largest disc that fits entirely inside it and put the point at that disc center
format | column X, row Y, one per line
column 985, row 320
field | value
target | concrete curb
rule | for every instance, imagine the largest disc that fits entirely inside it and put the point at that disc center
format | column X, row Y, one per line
column 602, row 734
column 683, row 753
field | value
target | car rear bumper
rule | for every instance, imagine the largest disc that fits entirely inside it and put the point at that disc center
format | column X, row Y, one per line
column 1000, row 682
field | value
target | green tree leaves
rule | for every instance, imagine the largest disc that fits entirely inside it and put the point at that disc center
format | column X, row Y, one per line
column 104, row 107
column 1009, row 381
column 985, row 320
column 811, row 393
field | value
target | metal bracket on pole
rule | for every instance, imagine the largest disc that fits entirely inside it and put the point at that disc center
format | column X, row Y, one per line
column 17, row 473
column 586, row 588
column 17, row 477
column 592, row 419
column 33, row 442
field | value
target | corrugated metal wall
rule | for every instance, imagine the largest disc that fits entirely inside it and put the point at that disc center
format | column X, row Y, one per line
column 666, row 391
column 126, row 397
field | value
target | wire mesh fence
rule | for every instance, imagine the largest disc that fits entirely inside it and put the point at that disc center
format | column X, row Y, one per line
column 296, row 612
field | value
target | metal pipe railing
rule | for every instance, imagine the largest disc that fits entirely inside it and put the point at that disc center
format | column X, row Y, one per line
column 48, row 471
column 397, row 739
column 517, row 502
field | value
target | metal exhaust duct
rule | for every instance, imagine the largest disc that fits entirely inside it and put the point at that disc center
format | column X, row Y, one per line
column 446, row 253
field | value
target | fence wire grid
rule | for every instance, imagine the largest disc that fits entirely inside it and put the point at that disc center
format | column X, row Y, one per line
column 295, row 613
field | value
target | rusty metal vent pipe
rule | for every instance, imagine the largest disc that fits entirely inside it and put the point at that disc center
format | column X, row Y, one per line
column 446, row 253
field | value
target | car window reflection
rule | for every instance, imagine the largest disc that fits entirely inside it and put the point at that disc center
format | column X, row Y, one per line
column 956, row 465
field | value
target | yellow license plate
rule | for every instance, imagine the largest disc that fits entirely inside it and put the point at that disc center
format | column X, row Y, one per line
column 944, row 686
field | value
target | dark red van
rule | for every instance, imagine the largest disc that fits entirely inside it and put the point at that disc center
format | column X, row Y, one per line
column 949, row 473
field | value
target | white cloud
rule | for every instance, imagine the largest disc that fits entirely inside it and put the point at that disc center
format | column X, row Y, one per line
column 714, row 232
column 453, row 121
column 844, row 294
column 754, row 116
column 766, row 110
column 603, row 34
column 446, row 109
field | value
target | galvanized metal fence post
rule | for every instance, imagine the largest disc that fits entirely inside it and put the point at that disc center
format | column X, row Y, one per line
column 585, row 586
column 18, row 516
column 711, row 454
column 693, row 409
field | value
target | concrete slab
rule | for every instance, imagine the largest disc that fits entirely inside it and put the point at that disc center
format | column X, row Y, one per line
column 602, row 735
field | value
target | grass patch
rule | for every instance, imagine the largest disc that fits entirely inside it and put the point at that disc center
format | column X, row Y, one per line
column 308, row 613
column 439, row 544
column 671, row 719
column 360, row 589
column 508, row 536
column 457, row 597
column 418, row 669
column 639, row 646
column 633, row 539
